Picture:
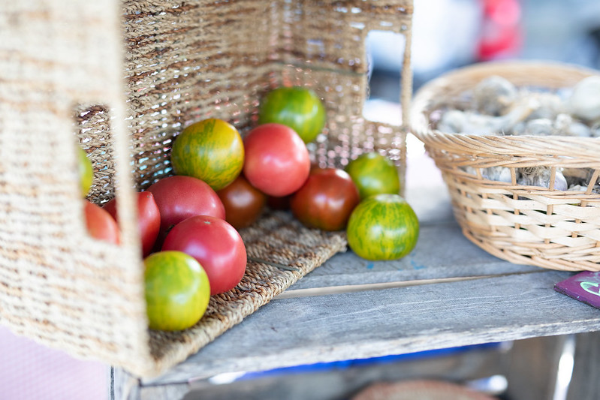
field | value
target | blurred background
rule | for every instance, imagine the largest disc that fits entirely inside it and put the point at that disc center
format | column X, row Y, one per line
column 447, row 34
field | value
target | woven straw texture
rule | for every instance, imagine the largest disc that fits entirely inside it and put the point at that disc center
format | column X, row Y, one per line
column 522, row 224
column 123, row 79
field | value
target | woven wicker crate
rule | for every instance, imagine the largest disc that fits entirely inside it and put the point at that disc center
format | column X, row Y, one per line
column 124, row 78
column 522, row 224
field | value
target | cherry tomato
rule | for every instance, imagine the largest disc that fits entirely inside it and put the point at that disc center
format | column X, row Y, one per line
column 182, row 197
column 297, row 107
column 211, row 150
column 216, row 245
column 243, row 203
column 148, row 219
column 383, row 227
column 326, row 200
column 177, row 291
column 100, row 224
column 374, row 174
column 86, row 172
column 277, row 161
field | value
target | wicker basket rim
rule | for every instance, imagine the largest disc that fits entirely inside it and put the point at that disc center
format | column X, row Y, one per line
column 421, row 128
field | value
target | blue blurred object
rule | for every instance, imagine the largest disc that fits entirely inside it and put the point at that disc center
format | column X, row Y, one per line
column 341, row 365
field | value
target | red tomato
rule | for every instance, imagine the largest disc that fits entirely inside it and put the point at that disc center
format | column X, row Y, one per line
column 326, row 200
column 243, row 203
column 148, row 219
column 181, row 197
column 100, row 224
column 216, row 245
column 277, row 161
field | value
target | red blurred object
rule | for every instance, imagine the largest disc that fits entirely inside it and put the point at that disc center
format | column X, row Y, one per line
column 148, row 219
column 501, row 35
column 100, row 224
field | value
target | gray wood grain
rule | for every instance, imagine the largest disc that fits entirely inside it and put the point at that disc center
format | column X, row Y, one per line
column 585, row 383
column 393, row 321
column 441, row 252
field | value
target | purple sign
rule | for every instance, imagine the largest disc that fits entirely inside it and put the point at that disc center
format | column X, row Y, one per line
column 584, row 287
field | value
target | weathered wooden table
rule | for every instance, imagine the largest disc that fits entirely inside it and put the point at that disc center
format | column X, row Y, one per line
column 446, row 293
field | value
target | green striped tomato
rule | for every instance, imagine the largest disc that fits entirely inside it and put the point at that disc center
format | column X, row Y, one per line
column 296, row 107
column 177, row 290
column 374, row 174
column 211, row 150
column 383, row 227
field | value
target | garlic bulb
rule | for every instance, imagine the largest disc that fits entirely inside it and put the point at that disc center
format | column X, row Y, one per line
column 453, row 121
column 499, row 174
column 563, row 125
column 578, row 176
column 563, row 122
column 469, row 170
column 578, row 129
column 499, row 108
column 595, row 130
column 547, row 105
column 583, row 188
column 494, row 95
column 540, row 176
column 470, row 123
column 539, row 127
column 584, row 102
column 518, row 129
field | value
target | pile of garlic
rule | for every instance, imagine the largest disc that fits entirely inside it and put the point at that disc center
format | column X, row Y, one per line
column 497, row 107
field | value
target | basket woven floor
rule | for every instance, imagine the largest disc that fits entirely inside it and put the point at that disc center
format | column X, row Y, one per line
column 123, row 79
column 522, row 224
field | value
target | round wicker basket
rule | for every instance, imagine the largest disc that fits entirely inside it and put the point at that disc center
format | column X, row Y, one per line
column 523, row 224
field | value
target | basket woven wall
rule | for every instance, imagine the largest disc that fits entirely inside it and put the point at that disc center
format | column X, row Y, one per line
column 523, row 224
column 124, row 78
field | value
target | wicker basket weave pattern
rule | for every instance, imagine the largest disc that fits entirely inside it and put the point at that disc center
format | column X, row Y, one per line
column 523, row 224
column 126, row 78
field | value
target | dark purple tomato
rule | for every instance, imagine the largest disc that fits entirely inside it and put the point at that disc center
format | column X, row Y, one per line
column 243, row 203
column 326, row 200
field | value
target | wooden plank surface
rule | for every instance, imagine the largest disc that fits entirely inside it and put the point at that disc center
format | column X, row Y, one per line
column 441, row 252
column 393, row 321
